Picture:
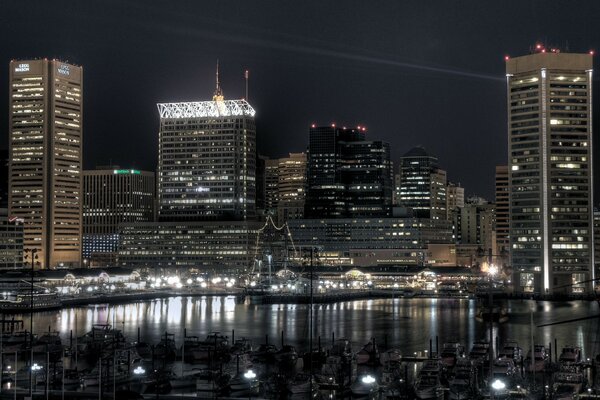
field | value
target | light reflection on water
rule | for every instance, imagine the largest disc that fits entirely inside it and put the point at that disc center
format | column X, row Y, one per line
column 407, row 324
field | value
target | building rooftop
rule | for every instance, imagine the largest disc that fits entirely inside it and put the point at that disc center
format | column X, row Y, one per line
column 416, row 152
column 202, row 109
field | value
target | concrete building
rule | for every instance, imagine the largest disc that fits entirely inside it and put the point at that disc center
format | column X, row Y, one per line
column 45, row 136
column 475, row 224
column 421, row 185
column 113, row 196
column 207, row 245
column 291, row 187
column 455, row 198
column 502, row 209
column 4, row 178
column 207, row 160
column 11, row 241
column 371, row 241
column 347, row 175
column 550, row 171
column 596, row 244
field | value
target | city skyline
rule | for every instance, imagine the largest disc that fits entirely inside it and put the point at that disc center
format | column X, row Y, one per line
column 435, row 73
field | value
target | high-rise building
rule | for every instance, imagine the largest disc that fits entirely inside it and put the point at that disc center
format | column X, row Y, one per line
column 347, row 175
column 292, row 187
column 502, row 209
column 207, row 160
column 11, row 241
column 111, row 197
column 455, row 198
column 4, row 178
column 596, row 243
column 45, row 135
column 550, row 171
column 421, row 184
column 271, row 186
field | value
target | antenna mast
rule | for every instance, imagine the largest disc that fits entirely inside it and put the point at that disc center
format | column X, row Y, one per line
column 246, row 76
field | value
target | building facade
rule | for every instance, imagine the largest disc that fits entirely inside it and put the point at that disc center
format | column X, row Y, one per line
column 475, row 224
column 421, row 185
column 45, row 137
column 455, row 198
column 11, row 241
column 207, row 245
column 291, row 187
column 550, row 171
column 502, row 209
column 343, row 236
column 347, row 175
column 271, row 187
column 207, row 160
column 113, row 196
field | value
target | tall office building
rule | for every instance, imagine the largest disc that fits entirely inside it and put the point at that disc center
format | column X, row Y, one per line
column 421, row 184
column 502, row 209
column 292, row 187
column 113, row 197
column 475, row 224
column 207, row 160
column 45, row 135
column 271, row 186
column 4, row 178
column 347, row 175
column 550, row 171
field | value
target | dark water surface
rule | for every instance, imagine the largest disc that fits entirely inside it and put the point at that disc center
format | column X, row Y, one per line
column 406, row 324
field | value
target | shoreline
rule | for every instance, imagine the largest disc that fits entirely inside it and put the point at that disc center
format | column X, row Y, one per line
column 270, row 298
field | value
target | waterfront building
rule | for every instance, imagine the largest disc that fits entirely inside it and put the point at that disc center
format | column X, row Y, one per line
column 421, row 184
column 45, row 136
column 597, row 243
column 397, row 240
column 207, row 160
column 347, row 175
column 550, row 171
column 207, row 245
column 11, row 241
column 113, row 196
column 502, row 209
column 291, row 187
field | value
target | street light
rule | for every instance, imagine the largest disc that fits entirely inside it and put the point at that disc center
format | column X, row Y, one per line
column 139, row 370
column 249, row 374
column 498, row 385
column 368, row 380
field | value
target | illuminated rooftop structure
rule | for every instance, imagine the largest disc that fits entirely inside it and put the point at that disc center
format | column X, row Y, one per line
column 203, row 109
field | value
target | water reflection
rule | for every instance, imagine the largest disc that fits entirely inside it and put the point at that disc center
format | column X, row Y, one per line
column 404, row 323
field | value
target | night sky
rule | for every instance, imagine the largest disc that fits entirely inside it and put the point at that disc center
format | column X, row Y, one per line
column 418, row 72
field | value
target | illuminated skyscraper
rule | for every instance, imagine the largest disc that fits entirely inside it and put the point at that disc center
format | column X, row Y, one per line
column 207, row 160
column 502, row 208
column 45, row 134
column 421, row 184
column 113, row 197
column 550, row 171
column 347, row 175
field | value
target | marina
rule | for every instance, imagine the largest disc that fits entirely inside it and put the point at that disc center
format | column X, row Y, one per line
column 219, row 347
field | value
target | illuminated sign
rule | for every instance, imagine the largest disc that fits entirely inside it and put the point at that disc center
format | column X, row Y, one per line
column 126, row 171
column 22, row 68
column 64, row 69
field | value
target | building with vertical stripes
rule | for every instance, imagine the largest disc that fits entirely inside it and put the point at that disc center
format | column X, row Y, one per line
column 45, row 160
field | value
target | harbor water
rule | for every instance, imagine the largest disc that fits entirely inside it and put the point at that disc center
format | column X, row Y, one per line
column 404, row 324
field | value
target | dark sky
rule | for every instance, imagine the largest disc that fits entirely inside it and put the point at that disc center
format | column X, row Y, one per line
column 414, row 72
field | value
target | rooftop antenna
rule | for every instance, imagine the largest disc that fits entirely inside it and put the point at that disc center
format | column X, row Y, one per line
column 246, row 76
column 218, row 96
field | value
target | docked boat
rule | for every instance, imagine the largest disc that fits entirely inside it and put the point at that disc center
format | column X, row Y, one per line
column 480, row 352
column 567, row 385
column 287, row 357
column 570, row 355
column 301, row 387
column 369, row 354
column 187, row 379
column 428, row 384
column 462, row 385
column 540, row 359
column 211, row 384
column 511, row 350
column 451, row 351
column 22, row 303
